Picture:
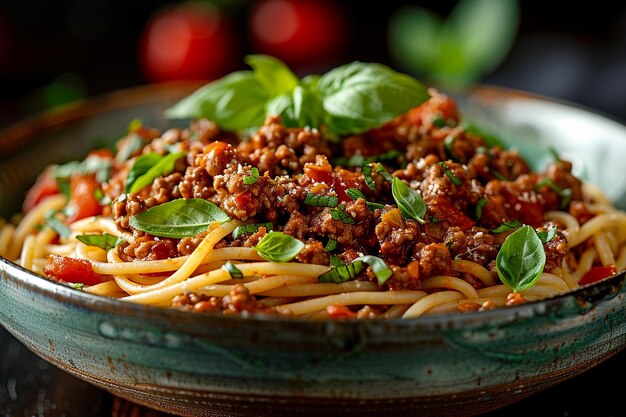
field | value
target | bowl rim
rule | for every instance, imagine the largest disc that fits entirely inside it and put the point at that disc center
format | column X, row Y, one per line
column 25, row 131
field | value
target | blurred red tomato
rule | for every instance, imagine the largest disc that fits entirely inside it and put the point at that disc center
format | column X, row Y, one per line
column 299, row 31
column 190, row 41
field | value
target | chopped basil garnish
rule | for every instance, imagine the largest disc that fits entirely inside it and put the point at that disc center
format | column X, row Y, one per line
column 76, row 285
column 93, row 164
column 178, row 218
column 382, row 171
column 253, row 177
column 547, row 235
column 521, row 259
column 408, row 200
column 447, row 144
column 367, row 174
column 335, row 261
column 56, row 224
column 234, row 272
column 507, row 226
column 355, row 194
column 439, row 121
column 455, row 180
column 251, row 228
column 104, row 241
column 331, row 245
column 479, row 207
column 163, row 165
column 555, row 154
column 498, row 175
column 316, row 200
column 340, row 214
column 278, row 247
column 564, row 193
column 341, row 272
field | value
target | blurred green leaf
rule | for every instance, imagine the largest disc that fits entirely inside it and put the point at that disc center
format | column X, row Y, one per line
column 470, row 43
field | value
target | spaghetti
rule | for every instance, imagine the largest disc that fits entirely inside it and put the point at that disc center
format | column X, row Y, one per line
column 404, row 220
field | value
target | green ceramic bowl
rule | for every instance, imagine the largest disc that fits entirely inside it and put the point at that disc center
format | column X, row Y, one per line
column 210, row 365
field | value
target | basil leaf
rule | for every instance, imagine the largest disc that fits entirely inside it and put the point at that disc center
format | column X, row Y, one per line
column 479, row 207
column 142, row 164
column 234, row 272
column 273, row 75
column 278, row 247
column 253, row 177
column 335, row 261
column 178, row 218
column 340, row 214
column 251, row 228
column 315, row 200
column 234, row 102
column 331, row 245
column 382, row 171
column 57, row 224
column 357, row 97
column 507, row 226
column 104, row 241
column 455, row 180
column 380, row 268
column 299, row 108
column 367, row 174
column 355, row 194
column 521, row 259
column 546, row 236
column 93, row 164
column 408, row 201
column 342, row 272
column 163, row 166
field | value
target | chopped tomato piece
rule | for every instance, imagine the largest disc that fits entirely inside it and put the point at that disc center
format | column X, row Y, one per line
column 83, row 202
column 45, row 186
column 452, row 215
column 342, row 180
column 63, row 268
column 523, row 206
column 597, row 273
column 339, row 311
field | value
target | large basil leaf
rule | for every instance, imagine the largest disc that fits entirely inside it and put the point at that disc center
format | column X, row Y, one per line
column 408, row 200
column 178, row 218
column 521, row 259
column 359, row 96
column 273, row 75
column 234, row 102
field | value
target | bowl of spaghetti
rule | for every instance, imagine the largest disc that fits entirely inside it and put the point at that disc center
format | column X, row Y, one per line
column 266, row 244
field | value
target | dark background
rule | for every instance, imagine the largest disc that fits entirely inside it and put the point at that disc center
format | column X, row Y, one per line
column 577, row 53
column 55, row 51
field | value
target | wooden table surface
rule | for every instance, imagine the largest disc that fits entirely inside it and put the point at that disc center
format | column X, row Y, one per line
column 30, row 387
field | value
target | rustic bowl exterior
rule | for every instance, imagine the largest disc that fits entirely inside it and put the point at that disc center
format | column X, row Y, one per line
column 211, row 365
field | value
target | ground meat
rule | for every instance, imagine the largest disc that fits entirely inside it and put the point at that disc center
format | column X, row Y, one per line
column 149, row 248
column 476, row 244
column 556, row 248
column 356, row 234
column 280, row 150
column 397, row 237
column 404, row 278
column 313, row 253
column 435, row 259
column 237, row 301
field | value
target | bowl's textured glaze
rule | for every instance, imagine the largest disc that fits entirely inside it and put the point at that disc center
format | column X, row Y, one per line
column 208, row 365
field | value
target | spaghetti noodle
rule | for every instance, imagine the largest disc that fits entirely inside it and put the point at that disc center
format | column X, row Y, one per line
column 294, row 225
